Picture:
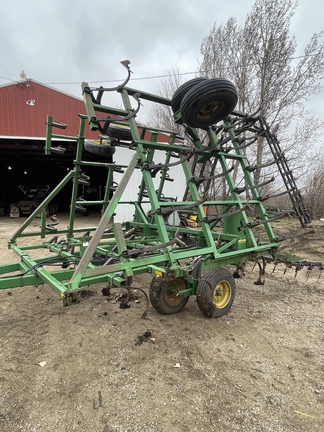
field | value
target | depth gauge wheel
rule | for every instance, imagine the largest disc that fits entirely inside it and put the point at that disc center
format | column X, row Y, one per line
column 208, row 102
column 182, row 91
column 163, row 295
column 216, row 292
column 99, row 148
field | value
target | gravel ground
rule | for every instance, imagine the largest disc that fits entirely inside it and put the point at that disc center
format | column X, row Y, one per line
column 259, row 368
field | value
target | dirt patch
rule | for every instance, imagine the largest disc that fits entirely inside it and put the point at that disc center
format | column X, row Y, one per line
column 259, row 368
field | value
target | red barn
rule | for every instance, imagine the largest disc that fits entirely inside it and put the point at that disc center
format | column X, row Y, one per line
column 24, row 106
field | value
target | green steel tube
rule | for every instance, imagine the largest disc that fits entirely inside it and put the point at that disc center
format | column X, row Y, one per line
column 106, row 217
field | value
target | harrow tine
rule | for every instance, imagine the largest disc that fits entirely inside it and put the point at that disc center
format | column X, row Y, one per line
column 155, row 168
column 239, row 147
column 308, row 273
column 297, row 268
column 266, row 197
column 199, row 180
column 252, row 168
column 259, row 281
column 282, row 238
column 214, row 218
column 171, row 209
column 240, row 190
column 285, row 269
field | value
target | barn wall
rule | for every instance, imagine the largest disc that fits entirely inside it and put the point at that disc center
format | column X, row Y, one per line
column 24, row 108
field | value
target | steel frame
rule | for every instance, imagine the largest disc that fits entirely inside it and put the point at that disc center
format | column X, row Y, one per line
column 112, row 252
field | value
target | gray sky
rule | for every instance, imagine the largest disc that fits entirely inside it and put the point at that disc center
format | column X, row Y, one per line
column 65, row 42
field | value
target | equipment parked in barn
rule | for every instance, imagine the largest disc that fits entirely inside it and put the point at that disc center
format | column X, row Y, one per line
column 34, row 195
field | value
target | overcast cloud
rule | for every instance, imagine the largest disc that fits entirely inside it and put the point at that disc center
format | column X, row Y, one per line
column 65, row 42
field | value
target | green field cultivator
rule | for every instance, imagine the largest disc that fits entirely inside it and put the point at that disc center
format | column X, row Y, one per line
column 191, row 246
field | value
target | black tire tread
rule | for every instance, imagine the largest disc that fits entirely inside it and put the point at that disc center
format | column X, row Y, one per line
column 213, row 87
column 99, row 149
column 156, row 296
column 204, row 292
column 119, row 133
column 182, row 91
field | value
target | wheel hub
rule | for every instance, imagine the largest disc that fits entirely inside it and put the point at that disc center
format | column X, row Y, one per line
column 222, row 294
column 174, row 286
column 208, row 110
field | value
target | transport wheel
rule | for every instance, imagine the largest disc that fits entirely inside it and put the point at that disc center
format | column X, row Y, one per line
column 208, row 102
column 163, row 295
column 96, row 147
column 182, row 91
column 216, row 292
column 120, row 132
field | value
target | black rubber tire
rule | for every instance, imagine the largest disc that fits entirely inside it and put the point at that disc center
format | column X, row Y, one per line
column 182, row 91
column 165, row 301
column 120, row 132
column 97, row 148
column 216, row 292
column 208, row 103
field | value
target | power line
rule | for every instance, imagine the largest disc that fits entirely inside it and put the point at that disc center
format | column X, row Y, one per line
column 133, row 79
column 8, row 79
column 150, row 77
column 168, row 75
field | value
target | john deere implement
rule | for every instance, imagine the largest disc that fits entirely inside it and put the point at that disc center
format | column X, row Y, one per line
column 183, row 258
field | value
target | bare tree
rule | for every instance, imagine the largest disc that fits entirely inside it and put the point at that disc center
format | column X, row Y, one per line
column 161, row 116
column 314, row 188
column 260, row 60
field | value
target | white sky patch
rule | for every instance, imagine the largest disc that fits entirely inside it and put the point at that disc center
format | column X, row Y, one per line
column 63, row 43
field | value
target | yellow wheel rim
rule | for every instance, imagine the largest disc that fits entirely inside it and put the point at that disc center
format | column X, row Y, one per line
column 208, row 110
column 222, row 294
